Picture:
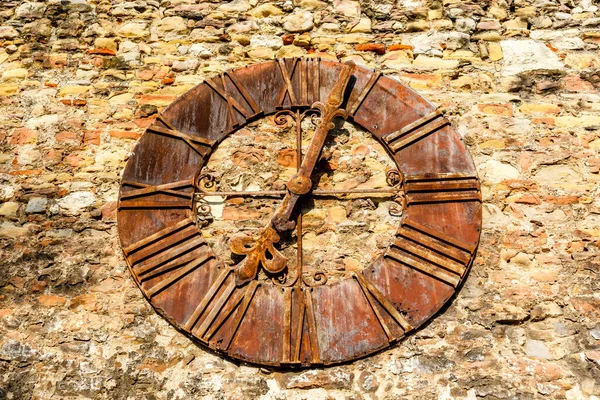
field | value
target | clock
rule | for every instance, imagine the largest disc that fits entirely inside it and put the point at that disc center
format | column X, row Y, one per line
column 256, row 292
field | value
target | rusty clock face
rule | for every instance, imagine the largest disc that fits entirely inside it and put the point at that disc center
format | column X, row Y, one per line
column 224, row 253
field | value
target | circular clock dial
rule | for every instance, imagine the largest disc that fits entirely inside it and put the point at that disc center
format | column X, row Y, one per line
column 236, row 203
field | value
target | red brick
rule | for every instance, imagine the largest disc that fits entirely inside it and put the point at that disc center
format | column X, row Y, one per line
column 74, row 102
column 544, row 121
column 53, row 155
column 167, row 80
column 239, row 214
column 576, row 84
column 91, row 137
column 65, row 136
column 147, row 73
column 73, row 159
column 26, row 172
column 429, row 80
column 23, row 136
column 109, row 211
column 143, row 123
column 378, row 48
column 287, row 158
column 85, row 301
column 528, row 199
column 561, row 200
column 395, row 47
column 158, row 100
column 288, row 39
column 102, row 52
column 57, row 61
column 125, row 135
column 50, row 300
column 504, row 110
column 587, row 306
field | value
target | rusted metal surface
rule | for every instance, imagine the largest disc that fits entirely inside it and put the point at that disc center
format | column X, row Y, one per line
column 295, row 318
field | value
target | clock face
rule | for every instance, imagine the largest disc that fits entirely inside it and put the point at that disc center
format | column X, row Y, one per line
column 258, row 221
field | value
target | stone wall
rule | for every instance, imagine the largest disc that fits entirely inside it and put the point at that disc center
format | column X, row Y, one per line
column 80, row 80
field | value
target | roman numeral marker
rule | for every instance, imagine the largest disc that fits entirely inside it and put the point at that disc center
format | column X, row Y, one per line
column 308, row 71
column 240, row 296
column 372, row 294
column 217, row 305
column 415, row 131
column 314, row 65
column 177, row 247
column 309, row 81
column 352, row 108
column 175, row 256
column 439, row 188
column 183, row 271
column 431, row 252
column 303, row 70
column 293, row 325
column 287, row 329
column 208, row 297
column 315, row 357
column 287, row 78
column 158, row 236
column 232, row 103
column 163, row 246
column 200, row 145
column 128, row 198
column 292, row 328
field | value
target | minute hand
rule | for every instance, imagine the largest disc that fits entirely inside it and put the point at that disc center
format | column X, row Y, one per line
column 301, row 183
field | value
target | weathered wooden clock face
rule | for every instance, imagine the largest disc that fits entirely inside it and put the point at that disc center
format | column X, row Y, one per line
column 258, row 221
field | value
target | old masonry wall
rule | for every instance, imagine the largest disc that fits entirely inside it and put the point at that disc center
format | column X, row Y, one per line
column 80, row 80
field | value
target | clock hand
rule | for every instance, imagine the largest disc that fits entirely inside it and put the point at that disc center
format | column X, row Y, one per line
column 301, row 183
column 263, row 250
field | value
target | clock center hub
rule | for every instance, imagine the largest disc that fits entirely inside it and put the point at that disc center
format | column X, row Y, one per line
column 299, row 184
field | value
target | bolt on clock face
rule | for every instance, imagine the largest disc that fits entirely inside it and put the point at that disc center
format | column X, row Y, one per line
column 299, row 212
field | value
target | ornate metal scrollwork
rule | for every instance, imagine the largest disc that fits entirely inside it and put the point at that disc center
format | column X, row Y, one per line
column 284, row 279
column 315, row 279
column 396, row 209
column 393, row 177
column 206, row 182
column 282, row 117
column 203, row 212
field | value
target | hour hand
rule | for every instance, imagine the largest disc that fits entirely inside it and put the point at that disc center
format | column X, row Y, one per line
column 282, row 219
column 257, row 251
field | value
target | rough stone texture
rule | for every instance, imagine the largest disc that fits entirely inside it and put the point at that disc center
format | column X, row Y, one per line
column 527, row 55
column 80, row 80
